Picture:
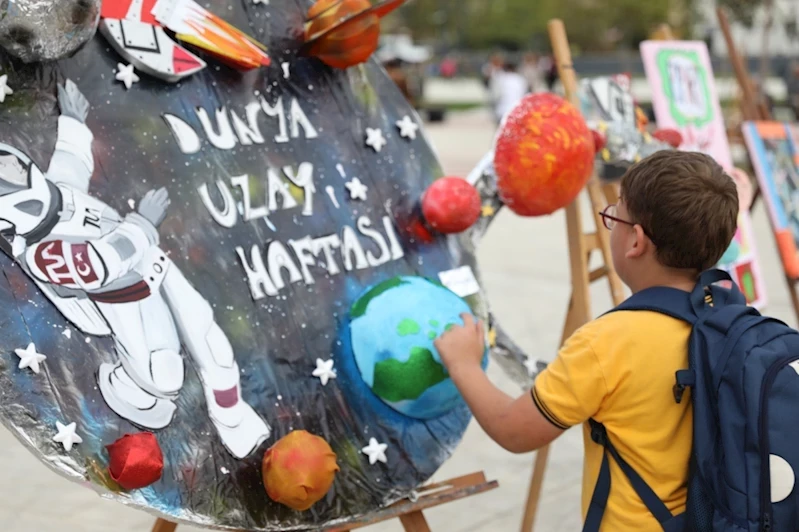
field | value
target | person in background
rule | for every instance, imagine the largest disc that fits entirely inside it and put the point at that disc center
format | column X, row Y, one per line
column 508, row 87
column 550, row 71
column 449, row 67
column 532, row 72
column 491, row 68
column 396, row 72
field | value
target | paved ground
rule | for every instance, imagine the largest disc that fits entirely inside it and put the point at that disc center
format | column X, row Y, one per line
column 525, row 270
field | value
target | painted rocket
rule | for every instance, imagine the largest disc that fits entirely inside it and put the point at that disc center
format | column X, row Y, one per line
column 136, row 30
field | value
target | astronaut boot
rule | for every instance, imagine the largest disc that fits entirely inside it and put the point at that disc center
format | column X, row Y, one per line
column 130, row 402
column 240, row 428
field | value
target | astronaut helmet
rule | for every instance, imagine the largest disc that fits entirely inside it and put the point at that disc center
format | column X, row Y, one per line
column 24, row 195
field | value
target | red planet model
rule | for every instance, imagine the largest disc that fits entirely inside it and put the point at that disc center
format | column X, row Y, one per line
column 543, row 156
column 451, row 205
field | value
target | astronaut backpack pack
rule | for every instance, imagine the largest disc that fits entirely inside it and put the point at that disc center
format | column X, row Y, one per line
column 743, row 382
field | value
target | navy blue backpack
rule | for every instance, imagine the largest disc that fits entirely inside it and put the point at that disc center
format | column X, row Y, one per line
column 743, row 378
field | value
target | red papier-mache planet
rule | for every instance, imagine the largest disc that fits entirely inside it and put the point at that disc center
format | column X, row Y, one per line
column 544, row 155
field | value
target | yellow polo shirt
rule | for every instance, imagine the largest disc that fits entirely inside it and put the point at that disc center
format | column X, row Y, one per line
column 619, row 370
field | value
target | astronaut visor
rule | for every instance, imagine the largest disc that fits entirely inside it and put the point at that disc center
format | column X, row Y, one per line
column 13, row 174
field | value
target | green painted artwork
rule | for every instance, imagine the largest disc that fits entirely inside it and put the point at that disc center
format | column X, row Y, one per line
column 686, row 86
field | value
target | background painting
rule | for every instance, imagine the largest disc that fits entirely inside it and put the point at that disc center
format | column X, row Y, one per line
column 773, row 149
column 684, row 98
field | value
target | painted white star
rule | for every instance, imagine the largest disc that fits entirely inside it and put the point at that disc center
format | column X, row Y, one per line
column 324, row 370
column 126, row 75
column 375, row 139
column 375, row 451
column 5, row 90
column 30, row 358
column 357, row 189
column 66, row 435
column 407, row 127
column 67, row 333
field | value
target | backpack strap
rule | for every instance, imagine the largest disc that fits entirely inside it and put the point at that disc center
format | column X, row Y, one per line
column 599, row 500
column 670, row 301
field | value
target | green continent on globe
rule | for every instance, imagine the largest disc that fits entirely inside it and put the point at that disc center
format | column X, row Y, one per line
column 405, row 381
column 408, row 327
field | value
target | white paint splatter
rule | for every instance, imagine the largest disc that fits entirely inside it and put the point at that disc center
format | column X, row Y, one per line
column 332, row 194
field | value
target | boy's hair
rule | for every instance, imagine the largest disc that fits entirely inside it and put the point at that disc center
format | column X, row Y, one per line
column 686, row 203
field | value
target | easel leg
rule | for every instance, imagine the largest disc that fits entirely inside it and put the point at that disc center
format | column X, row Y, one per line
column 537, row 482
column 414, row 522
column 162, row 525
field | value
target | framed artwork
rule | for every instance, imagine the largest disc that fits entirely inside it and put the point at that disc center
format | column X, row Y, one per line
column 684, row 98
column 773, row 151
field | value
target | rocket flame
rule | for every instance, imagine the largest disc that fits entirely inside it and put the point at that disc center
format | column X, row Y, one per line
column 201, row 28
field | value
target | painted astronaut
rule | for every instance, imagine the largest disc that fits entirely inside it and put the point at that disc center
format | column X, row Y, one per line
column 107, row 275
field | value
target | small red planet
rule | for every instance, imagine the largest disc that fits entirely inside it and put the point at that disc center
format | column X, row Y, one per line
column 451, row 205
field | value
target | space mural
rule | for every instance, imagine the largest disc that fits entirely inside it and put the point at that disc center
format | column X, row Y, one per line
column 208, row 265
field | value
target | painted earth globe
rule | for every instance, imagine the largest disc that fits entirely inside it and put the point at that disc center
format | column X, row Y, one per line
column 393, row 327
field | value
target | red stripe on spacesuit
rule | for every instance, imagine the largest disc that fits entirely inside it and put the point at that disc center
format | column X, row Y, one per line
column 136, row 292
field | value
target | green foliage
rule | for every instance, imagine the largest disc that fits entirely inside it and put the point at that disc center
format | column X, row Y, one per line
column 594, row 25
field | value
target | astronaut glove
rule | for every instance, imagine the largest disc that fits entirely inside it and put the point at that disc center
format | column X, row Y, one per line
column 154, row 205
column 72, row 102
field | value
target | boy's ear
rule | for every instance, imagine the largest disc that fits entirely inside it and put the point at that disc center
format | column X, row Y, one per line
column 639, row 243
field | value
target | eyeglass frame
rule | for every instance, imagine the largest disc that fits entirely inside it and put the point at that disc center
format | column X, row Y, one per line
column 605, row 217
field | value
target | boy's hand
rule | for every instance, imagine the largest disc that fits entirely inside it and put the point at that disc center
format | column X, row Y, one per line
column 462, row 346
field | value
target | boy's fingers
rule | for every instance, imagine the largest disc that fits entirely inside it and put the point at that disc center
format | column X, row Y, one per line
column 480, row 329
column 468, row 321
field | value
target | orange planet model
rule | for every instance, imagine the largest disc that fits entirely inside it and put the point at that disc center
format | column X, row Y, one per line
column 299, row 469
column 345, row 33
column 543, row 156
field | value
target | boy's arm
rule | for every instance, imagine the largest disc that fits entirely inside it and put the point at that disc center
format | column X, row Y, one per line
column 567, row 393
column 515, row 424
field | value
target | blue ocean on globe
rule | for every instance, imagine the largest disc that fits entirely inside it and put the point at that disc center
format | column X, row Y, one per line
column 393, row 327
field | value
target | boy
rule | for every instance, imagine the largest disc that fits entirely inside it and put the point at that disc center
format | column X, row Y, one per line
column 676, row 217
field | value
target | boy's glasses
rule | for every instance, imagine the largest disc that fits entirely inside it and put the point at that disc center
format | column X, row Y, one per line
column 609, row 219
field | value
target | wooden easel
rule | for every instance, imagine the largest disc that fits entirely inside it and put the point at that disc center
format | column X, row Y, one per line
column 408, row 512
column 581, row 245
column 752, row 108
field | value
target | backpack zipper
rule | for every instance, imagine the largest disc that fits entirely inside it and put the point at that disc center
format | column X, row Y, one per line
column 765, row 474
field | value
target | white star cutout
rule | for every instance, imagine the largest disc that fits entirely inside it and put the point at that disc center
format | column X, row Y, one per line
column 532, row 366
column 66, row 435
column 67, row 333
column 407, row 127
column 126, row 75
column 375, row 139
column 30, row 358
column 324, row 370
column 5, row 90
column 375, row 451
column 357, row 189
